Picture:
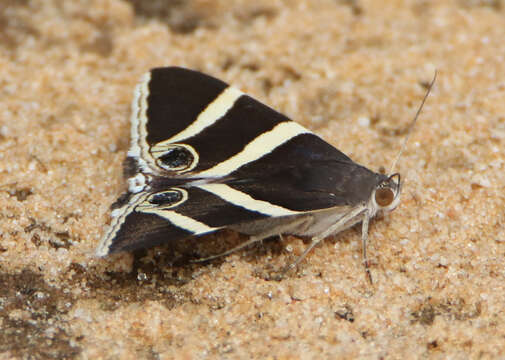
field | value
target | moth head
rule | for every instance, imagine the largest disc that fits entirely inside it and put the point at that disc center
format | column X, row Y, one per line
column 386, row 196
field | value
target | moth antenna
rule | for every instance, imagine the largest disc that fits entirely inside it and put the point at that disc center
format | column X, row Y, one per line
column 411, row 127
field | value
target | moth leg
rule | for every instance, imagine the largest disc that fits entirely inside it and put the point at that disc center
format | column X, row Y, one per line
column 279, row 230
column 335, row 228
column 364, row 240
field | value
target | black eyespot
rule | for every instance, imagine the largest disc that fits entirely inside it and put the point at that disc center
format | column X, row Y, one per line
column 384, row 196
column 165, row 198
column 177, row 158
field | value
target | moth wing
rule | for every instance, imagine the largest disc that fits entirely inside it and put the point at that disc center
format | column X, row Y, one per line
column 216, row 127
column 305, row 173
column 150, row 219
column 146, row 221
column 133, row 230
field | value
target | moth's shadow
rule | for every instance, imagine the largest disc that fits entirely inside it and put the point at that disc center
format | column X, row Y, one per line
column 178, row 262
column 161, row 273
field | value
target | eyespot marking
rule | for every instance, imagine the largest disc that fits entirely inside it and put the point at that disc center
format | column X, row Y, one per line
column 163, row 200
column 175, row 157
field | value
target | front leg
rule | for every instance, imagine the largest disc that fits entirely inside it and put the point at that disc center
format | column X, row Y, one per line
column 354, row 216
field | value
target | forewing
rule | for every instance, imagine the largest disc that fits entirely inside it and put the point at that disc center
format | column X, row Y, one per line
column 305, row 174
column 221, row 127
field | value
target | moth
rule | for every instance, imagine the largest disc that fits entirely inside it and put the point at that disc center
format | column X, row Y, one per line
column 204, row 156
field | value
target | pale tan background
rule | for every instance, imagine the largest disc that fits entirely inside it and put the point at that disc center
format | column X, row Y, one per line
column 352, row 71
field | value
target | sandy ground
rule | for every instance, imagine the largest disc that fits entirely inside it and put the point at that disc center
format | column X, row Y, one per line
column 352, row 71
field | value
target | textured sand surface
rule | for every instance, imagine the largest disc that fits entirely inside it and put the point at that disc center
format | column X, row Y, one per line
column 352, row 71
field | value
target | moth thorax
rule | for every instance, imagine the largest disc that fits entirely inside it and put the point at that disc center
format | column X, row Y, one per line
column 387, row 193
column 175, row 157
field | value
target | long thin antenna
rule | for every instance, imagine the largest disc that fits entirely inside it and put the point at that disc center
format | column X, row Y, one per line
column 404, row 145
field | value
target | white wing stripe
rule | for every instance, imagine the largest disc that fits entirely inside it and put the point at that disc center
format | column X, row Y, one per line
column 212, row 113
column 259, row 147
column 181, row 221
column 244, row 200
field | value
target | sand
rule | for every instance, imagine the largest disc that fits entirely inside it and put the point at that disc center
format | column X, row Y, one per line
column 352, row 71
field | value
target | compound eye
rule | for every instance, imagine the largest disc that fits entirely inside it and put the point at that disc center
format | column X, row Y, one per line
column 384, row 196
